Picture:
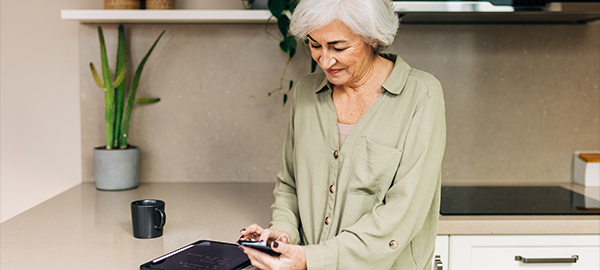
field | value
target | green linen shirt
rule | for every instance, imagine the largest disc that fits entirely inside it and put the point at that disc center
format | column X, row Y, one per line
column 372, row 203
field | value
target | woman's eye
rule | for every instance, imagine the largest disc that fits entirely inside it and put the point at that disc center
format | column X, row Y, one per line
column 316, row 46
column 339, row 49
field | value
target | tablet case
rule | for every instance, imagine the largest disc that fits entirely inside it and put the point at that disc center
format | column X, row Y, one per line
column 203, row 254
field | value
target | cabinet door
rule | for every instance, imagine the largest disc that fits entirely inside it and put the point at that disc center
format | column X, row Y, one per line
column 441, row 249
column 486, row 252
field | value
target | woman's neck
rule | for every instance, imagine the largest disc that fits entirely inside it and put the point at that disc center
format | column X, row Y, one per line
column 374, row 74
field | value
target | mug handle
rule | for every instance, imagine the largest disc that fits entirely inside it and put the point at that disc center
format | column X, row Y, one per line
column 163, row 218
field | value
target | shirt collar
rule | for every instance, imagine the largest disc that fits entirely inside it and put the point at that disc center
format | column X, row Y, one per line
column 393, row 84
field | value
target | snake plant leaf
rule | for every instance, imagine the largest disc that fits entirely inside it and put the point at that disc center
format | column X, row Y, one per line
column 120, row 78
column 276, row 7
column 283, row 22
column 96, row 77
column 109, row 98
column 131, row 97
column 146, row 100
column 120, row 83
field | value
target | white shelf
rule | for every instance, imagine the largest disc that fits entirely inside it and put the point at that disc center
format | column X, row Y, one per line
column 412, row 13
column 254, row 16
column 166, row 16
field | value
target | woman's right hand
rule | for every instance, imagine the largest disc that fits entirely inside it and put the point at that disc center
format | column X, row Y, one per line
column 257, row 233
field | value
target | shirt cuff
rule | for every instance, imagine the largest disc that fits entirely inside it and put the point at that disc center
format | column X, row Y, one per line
column 322, row 256
column 288, row 228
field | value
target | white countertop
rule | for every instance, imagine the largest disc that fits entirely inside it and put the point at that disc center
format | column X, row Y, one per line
column 83, row 228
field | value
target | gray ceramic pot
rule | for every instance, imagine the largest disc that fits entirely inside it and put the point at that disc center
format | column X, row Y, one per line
column 117, row 169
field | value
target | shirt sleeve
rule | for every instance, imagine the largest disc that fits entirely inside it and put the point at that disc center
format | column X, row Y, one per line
column 407, row 204
column 285, row 215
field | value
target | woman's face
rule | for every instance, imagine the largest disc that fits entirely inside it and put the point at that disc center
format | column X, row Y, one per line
column 341, row 53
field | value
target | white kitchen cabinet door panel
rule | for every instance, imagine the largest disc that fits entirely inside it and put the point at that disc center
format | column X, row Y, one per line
column 441, row 249
column 485, row 252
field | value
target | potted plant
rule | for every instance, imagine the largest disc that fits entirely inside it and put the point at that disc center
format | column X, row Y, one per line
column 282, row 10
column 117, row 163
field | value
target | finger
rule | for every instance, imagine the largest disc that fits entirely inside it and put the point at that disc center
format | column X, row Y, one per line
column 250, row 237
column 280, row 247
column 251, row 232
column 259, row 258
column 268, row 235
column 253, row 260
column 254, row 228
column 284, row 239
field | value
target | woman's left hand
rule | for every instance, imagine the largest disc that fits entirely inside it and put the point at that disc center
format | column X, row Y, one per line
column 292, row 257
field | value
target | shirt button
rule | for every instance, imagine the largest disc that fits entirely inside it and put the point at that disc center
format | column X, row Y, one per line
column 336, row 154
column 393, row 244
column 327, row 220
column 332, row 189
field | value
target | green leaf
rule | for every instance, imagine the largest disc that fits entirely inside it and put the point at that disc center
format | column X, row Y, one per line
column 96, row 77
column 291, row 40
column 291, row 85
column 288, row 44
column 109, row 95
column 105, row 68
column 131, row 97
column 284, row 46
column 276, row 7
column 285, row 97
column 313, row 65
column 283, row 22
column 292, row 5
column 121, row 77
column 146, row 100
column 120, row 83
column 292, row 52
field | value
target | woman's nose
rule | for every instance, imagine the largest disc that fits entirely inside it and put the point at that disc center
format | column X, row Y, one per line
column 326, row 60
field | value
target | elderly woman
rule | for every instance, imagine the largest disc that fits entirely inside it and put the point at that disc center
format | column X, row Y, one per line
column 360, row 183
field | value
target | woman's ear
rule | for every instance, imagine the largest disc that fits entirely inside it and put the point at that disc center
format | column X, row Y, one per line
column 374, row 45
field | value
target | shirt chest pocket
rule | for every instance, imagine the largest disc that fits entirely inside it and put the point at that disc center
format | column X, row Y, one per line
column 372, row 168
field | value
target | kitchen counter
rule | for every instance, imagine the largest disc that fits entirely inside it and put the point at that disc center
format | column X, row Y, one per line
column 83, row 228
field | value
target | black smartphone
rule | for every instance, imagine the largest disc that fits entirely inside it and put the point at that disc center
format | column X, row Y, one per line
column 262, row 246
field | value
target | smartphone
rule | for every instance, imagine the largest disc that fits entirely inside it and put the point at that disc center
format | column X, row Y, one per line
column 262, row 246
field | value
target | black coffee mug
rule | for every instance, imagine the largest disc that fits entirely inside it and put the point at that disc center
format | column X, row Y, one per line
column 148, row 218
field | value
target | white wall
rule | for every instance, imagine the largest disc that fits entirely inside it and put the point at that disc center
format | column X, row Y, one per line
column 40, row 142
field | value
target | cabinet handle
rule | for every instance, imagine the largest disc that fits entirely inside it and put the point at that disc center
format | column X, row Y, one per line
column 438, row 263
column 573, row 259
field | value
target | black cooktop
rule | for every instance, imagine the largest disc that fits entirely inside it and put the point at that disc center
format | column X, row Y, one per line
column 515, row 200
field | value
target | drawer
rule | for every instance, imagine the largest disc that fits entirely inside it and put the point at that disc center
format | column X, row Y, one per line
column 499, row 252
column 440, row 260
column 504, row 257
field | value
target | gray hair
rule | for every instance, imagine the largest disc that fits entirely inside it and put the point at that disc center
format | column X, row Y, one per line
column 374, row 20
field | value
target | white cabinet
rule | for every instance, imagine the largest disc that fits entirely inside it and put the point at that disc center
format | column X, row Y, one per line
column 441, row 250
column 494, row 252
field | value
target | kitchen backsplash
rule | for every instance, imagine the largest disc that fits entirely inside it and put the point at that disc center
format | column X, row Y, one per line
column 519, row 99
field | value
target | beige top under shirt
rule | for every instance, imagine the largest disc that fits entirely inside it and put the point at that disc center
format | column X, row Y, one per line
column 343, row 131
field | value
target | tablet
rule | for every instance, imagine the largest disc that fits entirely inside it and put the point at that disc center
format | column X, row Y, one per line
column 203, row 254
